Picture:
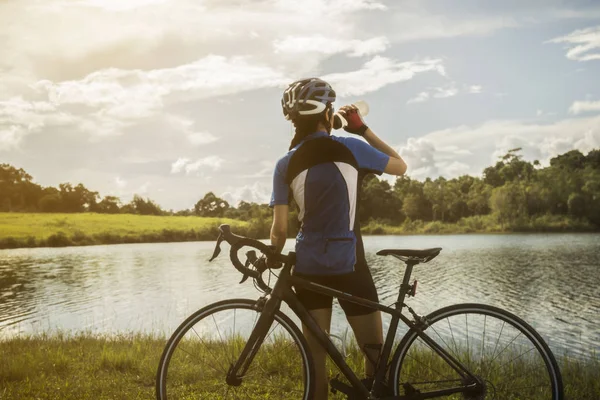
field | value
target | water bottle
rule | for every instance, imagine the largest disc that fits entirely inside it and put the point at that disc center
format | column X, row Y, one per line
column 340, row 122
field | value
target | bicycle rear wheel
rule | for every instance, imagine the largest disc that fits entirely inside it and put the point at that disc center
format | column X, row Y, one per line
column 499, row 348
column 198, row 356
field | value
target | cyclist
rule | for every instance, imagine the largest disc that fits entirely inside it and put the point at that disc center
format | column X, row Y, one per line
column 323, row 174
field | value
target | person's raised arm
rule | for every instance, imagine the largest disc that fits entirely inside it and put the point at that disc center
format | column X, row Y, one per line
column 396, row 165
column 357, row 126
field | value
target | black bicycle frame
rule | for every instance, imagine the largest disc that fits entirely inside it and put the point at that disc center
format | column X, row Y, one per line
column 282, row 291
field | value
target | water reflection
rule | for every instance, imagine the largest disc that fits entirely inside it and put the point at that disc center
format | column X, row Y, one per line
column 551, row 281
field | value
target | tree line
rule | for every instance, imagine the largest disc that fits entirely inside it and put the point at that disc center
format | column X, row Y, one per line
column 511, row 191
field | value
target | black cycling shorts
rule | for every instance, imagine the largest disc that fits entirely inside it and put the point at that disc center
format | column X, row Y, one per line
column 358, row 283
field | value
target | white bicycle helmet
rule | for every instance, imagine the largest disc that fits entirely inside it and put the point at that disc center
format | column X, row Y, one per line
column 306, row 97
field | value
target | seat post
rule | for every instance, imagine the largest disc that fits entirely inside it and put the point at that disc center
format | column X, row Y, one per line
column 405, row 286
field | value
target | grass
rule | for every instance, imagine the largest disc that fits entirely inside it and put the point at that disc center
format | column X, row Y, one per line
column 124, row 367
column 80, row 229
column 56, row 230
column 481, row 224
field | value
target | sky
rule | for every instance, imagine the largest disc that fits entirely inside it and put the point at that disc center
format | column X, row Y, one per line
column 171, row 99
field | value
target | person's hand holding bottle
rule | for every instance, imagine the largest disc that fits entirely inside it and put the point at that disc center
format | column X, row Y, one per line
column 353, row 116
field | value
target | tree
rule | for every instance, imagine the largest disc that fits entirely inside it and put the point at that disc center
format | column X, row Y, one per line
column 510, row 168
column 576, row 205
column 211, row 206
column 17, row 191
column 76, row 199
column 378, row 202
column 145, row 206
column 508, row 203
column 412, row 206
column 593, row 159
column 50, row 203
column 570, row 160
column 109, row 205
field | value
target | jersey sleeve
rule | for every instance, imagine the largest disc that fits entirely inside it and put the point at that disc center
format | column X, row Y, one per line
column 280, row 195
column 367, row 156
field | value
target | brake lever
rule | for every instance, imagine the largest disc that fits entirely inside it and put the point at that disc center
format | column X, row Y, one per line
column 217, row 247
column 251, row 258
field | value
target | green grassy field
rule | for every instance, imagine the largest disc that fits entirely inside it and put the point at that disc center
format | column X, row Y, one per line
column 79, row 229
column 53, row 230
column 482, row 224
column 94, row 367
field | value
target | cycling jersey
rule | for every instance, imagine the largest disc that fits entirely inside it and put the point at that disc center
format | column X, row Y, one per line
column 321, row 173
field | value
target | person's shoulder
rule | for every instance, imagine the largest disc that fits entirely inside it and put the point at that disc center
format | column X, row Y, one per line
column 349, row 141
column 284, row 160
column 346, row 139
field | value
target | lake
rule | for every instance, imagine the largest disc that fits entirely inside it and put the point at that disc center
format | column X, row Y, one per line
column 552, row 281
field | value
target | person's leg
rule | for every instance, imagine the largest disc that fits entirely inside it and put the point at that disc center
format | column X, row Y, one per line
column 319, row 307
column 369, row 335
column 365, row 322
column 323, row 318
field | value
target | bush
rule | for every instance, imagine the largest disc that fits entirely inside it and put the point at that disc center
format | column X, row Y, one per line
column 58, row 240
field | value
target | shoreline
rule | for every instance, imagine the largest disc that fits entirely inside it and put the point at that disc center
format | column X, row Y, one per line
column 37, row 230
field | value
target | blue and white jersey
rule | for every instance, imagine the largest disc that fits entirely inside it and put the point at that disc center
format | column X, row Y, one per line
column 321, row 174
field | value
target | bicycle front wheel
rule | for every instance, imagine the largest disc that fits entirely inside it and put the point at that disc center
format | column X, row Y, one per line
column 198, row 356
column 503, row 352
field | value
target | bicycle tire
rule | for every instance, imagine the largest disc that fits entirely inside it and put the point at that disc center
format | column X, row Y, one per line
column 419, row 364
column 199, row 380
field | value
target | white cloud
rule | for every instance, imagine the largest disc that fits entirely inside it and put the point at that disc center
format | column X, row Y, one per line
column 107, row 102
column 420, row 98
column 485, row 142
column 579, row 107
column 327, row 45
column 212, row 162
column 583, row 44
column 185, row 125
column 380, row 72
column 120, row 182
column 148, row 34
column 419, row 154
column 178, row 165
column 19, row 118
column 420, row 24
column 10, row 137
column 475, row 89
column 449, row 90
column 134, row 94
column 256, row 192
column 182, row 163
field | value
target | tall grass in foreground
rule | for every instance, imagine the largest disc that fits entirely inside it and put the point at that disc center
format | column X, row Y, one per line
column 124, row 367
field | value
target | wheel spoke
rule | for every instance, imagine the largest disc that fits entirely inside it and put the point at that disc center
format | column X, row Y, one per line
column 497, row 349
column 278, row 370
column 442, row 339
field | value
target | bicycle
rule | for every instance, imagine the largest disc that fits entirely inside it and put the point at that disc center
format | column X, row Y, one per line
column 441, row 356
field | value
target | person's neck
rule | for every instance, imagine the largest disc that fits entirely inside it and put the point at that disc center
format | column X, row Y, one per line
column 322, row 128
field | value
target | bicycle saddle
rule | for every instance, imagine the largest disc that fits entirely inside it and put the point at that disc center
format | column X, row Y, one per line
column 422, row 256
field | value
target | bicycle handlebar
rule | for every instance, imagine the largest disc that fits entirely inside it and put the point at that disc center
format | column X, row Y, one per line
column 237, row 242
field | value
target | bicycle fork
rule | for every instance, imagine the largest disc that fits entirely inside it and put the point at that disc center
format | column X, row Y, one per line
column 267, row 316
